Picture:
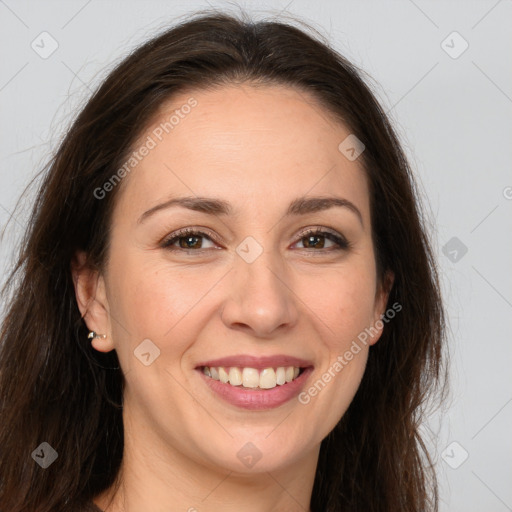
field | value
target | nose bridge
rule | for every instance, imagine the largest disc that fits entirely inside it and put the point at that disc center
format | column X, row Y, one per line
column 259, row 268
column 259, row 297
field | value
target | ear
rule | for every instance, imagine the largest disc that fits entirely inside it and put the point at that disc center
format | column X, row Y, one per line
column 381, row 299
column 92, row 300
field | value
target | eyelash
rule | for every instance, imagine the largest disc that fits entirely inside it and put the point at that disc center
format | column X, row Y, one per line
column 341, row 241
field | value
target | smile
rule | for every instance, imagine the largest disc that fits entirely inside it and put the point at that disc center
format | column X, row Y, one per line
column 252, row 378
column 250, row 392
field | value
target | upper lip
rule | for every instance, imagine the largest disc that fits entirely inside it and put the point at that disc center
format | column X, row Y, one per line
column 257, row 362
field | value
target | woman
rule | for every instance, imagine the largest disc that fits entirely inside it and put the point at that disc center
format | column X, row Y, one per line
column 226, row 299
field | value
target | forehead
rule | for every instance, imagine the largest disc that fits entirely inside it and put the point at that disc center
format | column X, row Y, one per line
column 244, row 143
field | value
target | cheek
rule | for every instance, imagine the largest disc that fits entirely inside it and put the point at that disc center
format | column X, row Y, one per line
column 346, row 305
column 152, row 293
column 153, row 301
column 346, row 308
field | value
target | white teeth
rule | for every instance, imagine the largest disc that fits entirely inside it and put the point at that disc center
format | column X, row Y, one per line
column 280, row 376
column 235, row 376
column 250, row 378
column 223, row 375
column 268, row 378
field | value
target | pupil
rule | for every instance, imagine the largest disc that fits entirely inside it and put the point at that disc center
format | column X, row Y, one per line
column 187, row 241
column 313, row 237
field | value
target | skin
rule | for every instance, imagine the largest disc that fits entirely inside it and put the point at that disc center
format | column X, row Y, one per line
column 257, row 148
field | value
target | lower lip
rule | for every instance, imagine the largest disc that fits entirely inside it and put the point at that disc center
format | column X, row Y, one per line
column 253, row 399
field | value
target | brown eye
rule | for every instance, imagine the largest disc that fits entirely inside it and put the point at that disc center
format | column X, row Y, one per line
column 316, row 239
column 187, row 240
column 194, row 240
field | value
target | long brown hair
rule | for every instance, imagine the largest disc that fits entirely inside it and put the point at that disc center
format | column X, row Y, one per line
column 55, row 388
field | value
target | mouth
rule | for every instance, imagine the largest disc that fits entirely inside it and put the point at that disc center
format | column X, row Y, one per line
column 252, row 378
column 255, row 383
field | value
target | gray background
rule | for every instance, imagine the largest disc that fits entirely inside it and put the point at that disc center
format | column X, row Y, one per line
column 454, row 118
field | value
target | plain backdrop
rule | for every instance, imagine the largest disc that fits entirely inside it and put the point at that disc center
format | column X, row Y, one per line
column 443, row 72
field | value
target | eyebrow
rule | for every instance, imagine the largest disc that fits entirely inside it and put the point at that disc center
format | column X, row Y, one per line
column 218, row 207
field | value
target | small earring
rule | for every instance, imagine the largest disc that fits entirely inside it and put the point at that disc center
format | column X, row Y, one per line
column 93, row 335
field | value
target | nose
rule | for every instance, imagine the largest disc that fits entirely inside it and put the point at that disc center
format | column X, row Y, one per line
column 260, row 300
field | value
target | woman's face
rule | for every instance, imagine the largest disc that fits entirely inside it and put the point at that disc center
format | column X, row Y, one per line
column 252, row 287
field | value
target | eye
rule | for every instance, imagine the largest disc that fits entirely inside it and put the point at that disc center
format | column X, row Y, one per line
column 315, row 239
column 187, row 239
